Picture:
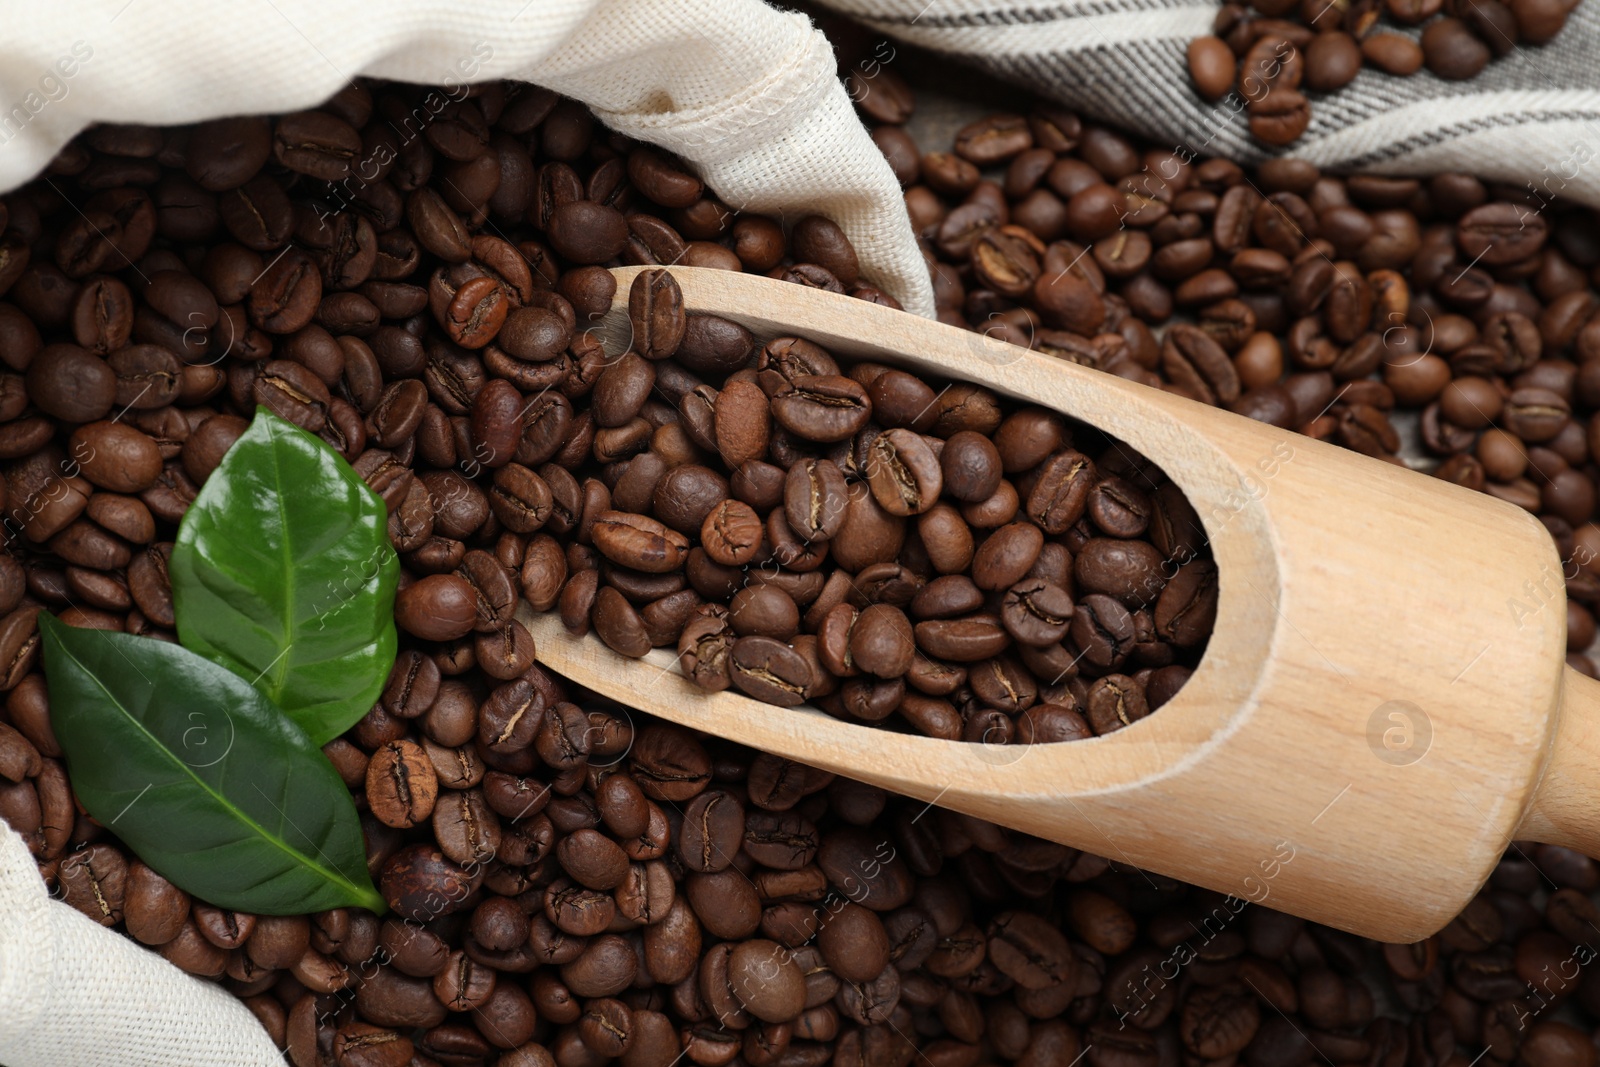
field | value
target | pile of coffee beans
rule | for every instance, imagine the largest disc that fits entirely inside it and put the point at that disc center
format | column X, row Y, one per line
column 572, row 883
column 1350, row 309
column 873, row 542
column 1271, row 51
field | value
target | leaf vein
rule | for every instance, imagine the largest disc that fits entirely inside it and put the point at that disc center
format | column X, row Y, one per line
column 299, row 857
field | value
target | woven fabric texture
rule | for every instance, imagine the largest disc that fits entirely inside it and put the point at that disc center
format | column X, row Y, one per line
column 745, row 93
column 1531, row 118
column 73, row 992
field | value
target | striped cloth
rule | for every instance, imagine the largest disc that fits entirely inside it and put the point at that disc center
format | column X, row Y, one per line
column 1531, row 118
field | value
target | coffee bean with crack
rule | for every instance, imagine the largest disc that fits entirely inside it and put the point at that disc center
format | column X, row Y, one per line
column 824, row 408
column 564, row 736
column 1036, row 612
column 1031, row 951
column 1196, row 363
column 815, row 498
column 293, row 393
column 94, row 880
column 903, row 472
column 712, row 832
column 1102, row 630
column 770, row 671
column 732, row 533
column 402, row 785
column 704, row 648
column 1060, row 495
column 511, row 716
column 1114, row 702
column 1187, row 609
column 639, row 542
column 467, row 829
column 656, row 313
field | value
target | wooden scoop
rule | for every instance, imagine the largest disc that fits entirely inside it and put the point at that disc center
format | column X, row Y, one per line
column 1383, row 706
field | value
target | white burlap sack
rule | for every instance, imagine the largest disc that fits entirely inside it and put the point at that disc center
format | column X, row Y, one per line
column 747, row 94
column 73, row 992
column 750, row 97
column 1531, row 118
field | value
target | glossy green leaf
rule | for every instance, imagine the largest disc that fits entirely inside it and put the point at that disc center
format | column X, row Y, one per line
column 283, row 574
column 201, row 776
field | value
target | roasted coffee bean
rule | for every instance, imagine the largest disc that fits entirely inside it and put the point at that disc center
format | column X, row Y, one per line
column 1036, row 612
column 71, row 384
column 316, row 143
column 769, row 670
column 467, row 830
column 154, row 909
column 95, row 881
column 1212, row 66
column 1102, row 629
column 766, row 981
column 814, row 499
column 194, row 954
column 293, row 393
column 401, row 784
column 822, row 408
column 639, row 542
column 904, row 472
column 1051, row 584
column 1061, row 493
column 1451, row 51
column 1115, row 701
column 1187, row 607
column 440, row 607
column 1196, row 363
column 1030, row 951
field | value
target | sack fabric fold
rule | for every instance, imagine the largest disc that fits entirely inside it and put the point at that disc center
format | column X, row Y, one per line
column 751, row 98
column 745, row 93
column 74, row 992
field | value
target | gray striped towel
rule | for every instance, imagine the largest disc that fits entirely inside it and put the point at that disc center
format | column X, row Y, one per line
column 1530, row 119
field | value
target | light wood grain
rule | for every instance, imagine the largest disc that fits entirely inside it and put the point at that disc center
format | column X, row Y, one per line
column 1365, row 616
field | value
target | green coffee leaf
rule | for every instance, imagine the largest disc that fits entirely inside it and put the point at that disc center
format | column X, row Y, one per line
column 283, row 574
column 202, row 776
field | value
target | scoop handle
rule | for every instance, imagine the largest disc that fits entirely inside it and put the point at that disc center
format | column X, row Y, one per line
column 1566, row 804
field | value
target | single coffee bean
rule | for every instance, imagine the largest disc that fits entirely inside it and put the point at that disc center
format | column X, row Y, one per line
column 1115, row 701
column 1061, row 493
column 440, row 607
column 1280, row 117
column 467, row 830
column 95, row 881
column 71, row 384
column 293, row 393
column 903, row 472
column 766, row 980
column 1451, row 51
column 317, row 144
column 1212, row 66
column 592, row 859
column 153, row 908
column 713, row 829
column 639, row 542
column 1332, row 61
column 769, row 671
column 1392, row 53
column 1029, row 950
column 401, row 784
